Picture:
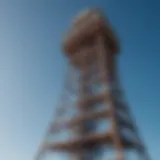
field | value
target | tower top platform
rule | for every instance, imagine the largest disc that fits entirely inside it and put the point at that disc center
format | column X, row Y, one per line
column 84, row 29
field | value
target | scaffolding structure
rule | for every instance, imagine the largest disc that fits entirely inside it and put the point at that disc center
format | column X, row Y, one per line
column 93, row 120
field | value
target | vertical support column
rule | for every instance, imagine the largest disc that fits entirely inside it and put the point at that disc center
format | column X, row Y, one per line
column 141, row 150
column 81, row 129
column 105, row 80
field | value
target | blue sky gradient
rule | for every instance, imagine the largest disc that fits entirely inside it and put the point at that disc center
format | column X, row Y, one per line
column 32, row 67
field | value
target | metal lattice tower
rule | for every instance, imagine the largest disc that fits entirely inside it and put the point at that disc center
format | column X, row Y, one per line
column 92, row 121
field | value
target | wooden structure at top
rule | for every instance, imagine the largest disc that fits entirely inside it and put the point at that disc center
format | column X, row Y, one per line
column 92, row 107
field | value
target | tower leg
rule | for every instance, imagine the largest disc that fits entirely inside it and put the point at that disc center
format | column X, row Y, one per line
column 105, row 80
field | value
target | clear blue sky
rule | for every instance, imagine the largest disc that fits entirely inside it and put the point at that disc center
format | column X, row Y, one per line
column 32, row 67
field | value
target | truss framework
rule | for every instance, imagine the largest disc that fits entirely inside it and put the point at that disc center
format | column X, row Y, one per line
column 92, row 94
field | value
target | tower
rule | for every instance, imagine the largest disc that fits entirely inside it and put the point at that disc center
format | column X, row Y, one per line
column 93, row 120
